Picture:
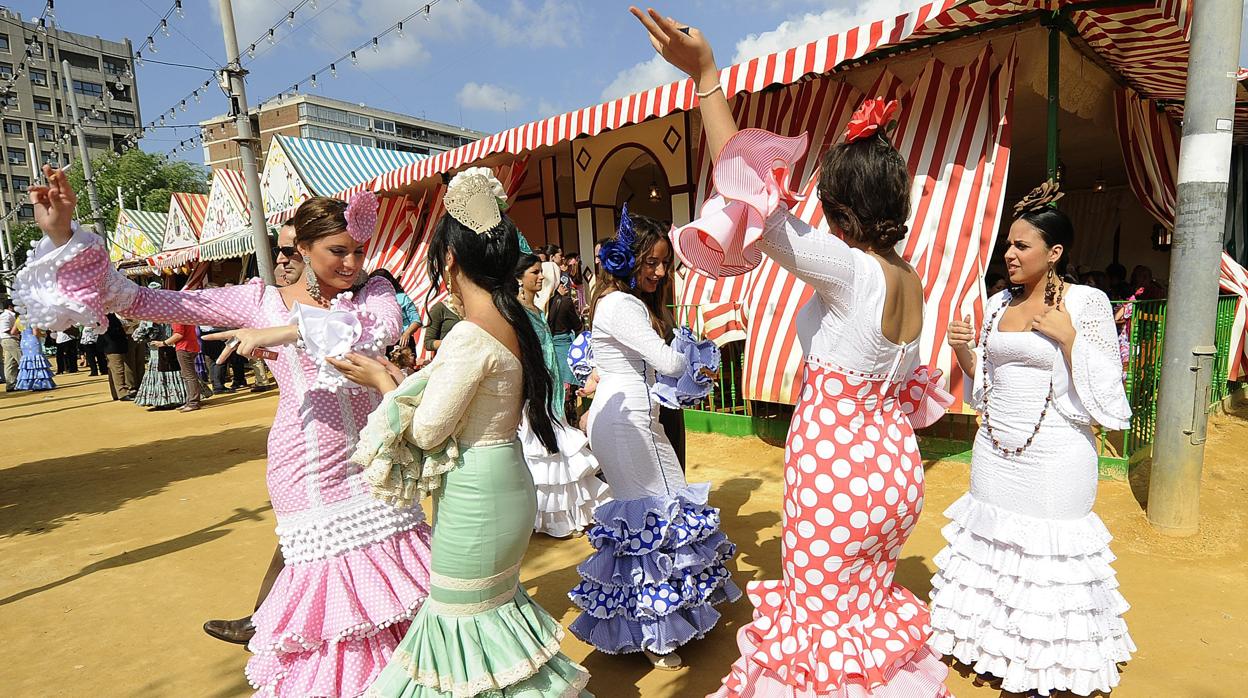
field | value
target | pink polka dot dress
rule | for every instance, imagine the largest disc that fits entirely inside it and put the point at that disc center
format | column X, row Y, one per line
column 836, row 623
column 357, row 570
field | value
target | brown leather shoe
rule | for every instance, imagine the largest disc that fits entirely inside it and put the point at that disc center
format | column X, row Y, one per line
column 238, row 631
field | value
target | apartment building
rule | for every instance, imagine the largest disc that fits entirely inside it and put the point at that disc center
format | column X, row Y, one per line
column 327, row 119
column 35, row 111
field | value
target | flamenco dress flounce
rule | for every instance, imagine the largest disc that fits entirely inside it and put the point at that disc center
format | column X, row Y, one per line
column 787, row 652
column 352, row 583
column 659, row 567
column 506, row 646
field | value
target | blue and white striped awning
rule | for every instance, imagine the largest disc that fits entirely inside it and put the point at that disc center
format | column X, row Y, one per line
column 328, row 168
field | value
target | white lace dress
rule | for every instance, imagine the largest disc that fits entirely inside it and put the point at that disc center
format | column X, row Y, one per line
column 1024, row 590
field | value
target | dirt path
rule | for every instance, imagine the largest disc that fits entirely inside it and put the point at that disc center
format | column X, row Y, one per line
column 122, row 530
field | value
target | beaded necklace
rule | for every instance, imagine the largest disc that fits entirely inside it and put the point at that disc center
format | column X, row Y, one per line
column 1048, row 400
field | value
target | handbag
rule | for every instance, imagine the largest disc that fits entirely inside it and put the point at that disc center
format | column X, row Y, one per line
column 166, row 359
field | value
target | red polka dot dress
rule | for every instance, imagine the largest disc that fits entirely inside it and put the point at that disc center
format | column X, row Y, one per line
column 357, row 569
column 835, row 623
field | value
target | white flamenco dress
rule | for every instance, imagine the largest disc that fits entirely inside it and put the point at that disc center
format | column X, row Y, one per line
column 1024, row 590
column 566, row 482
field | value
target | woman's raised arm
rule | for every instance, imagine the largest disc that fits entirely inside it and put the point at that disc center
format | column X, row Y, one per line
column 688, row 50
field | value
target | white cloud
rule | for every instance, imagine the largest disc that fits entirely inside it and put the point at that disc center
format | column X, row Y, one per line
column 547, row 108
column 641, row 77
column 808, row 27
column 487, row 97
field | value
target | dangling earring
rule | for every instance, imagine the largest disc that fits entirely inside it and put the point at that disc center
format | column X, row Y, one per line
column 314, row 287
column 1050, row 288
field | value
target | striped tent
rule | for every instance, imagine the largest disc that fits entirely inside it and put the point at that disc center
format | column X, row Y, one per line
column 227, row 220
column 298, row 168
column 138, row 234
column 183, row 226
column 955, row 133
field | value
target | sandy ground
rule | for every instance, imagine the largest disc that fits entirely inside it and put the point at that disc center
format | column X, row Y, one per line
column 122, row 530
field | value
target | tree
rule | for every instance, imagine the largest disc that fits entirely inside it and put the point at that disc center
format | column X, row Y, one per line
column 22, row 234
column 128, row 171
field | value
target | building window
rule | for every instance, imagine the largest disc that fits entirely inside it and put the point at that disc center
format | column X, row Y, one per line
column 383, row 125
column 43, row 105
column 10, row 102
column 21, row 184
column 114, row 66
column 337, row 117
column 38, row 77
column 17, row 156
column 4, row 184
column 4, row 43
column 97, row 117
column 50, row 158
column 46, row 133
column 90, row 89
column 121, row 94
column 6, row 70
column 26, row 211
column 98, row 143
column 13, row 128
column 36, row 48
column 120, row 118
column 335, row 136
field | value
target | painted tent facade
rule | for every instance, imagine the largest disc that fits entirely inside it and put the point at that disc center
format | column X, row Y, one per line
column 226, row 231
column 183, row 227
column 137, row 235
column 297, row 169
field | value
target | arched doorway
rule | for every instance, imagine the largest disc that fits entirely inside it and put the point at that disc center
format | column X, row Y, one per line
column 643, row 186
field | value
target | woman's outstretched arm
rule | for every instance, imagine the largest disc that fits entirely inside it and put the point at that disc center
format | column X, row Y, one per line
column 688, row 50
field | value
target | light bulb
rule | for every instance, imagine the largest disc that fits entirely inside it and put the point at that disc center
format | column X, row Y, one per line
column 164, row 27
column 177, row 7
column 312, row 4
column 427, row 10
column 333, row 70
column 43, row 26
column 354, row 60
column 184, row 105
column 151, row 44
column 138, row 58
column 290, row 18
column 196, row 95
column 271, row 39
column 251, row 51
column 400, row 30
column 47, row 11
column 314, row 81
column 376, row 45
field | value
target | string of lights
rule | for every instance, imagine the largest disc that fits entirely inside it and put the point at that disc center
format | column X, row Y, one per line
column 352, row 56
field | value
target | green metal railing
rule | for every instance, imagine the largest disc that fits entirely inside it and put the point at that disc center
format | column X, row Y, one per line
column 1142, row 375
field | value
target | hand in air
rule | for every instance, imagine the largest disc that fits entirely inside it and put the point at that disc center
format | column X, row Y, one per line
column 366, row 371
column 961, row 333
column 679, row 44
column 54, row 205
column 251, row 342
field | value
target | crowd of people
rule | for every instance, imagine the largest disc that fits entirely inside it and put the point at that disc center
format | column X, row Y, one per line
column 364, row 597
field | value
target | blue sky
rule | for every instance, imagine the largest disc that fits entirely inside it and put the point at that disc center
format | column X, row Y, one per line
column 483, row 64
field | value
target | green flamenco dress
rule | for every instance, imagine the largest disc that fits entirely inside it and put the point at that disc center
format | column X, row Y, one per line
column 479, row 633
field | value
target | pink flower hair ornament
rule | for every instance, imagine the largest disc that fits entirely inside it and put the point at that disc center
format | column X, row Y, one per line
column 361, row 215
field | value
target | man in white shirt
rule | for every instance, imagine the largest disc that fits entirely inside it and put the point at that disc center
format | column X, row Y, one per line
column 10, row 344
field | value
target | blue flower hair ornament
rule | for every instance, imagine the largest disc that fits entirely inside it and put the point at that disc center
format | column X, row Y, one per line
column 617, row 255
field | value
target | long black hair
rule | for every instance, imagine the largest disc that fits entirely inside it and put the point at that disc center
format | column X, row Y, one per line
column 489, row 260
column 647, row 232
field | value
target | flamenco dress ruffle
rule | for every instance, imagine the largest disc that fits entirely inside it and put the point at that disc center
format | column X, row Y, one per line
column 567, row 484
column 1032, row 601
column 33, row 370
column 329, row 626
column 656, row 575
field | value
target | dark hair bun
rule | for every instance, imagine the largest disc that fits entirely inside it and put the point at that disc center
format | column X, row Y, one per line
column 885, row 234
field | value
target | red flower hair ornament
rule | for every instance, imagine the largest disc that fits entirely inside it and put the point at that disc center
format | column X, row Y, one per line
column 870, row 117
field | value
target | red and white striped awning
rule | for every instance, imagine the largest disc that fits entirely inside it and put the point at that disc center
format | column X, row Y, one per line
column 1144, row 42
